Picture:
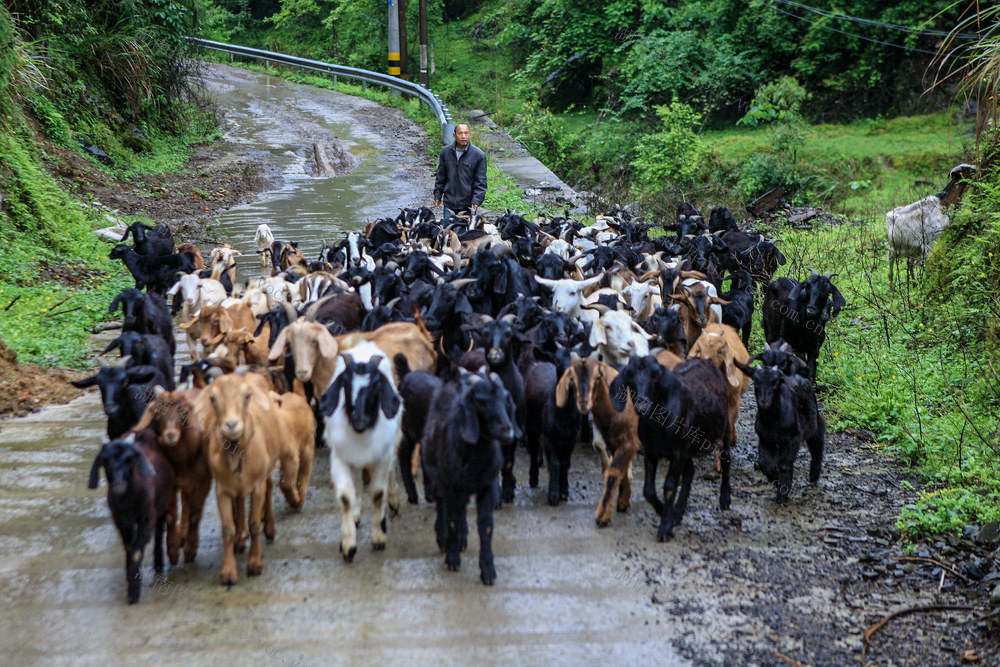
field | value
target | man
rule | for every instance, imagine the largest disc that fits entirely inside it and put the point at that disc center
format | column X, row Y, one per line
column 461, row 174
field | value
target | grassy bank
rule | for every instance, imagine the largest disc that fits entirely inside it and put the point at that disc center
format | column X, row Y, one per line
column 915, row 366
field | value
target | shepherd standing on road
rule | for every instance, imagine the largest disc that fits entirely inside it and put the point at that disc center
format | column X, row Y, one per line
column 461, row 175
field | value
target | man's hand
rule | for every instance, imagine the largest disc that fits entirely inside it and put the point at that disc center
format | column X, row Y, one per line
column 475, row 207
column 437, row 202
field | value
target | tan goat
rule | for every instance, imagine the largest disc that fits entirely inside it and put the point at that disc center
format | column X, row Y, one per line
column 250, row 430
column 588, row 379
column 721, row 343
column 241, row 347
column 214, row 320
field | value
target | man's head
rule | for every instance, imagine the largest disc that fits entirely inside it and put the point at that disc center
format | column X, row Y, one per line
column 462, row 135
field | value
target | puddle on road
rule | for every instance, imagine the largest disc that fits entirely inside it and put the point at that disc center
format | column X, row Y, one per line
column 286, row 120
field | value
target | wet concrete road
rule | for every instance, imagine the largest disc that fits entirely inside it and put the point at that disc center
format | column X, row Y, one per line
column 559, row 596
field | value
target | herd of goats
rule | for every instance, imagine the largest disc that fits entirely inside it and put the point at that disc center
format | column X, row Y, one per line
column 417, row 347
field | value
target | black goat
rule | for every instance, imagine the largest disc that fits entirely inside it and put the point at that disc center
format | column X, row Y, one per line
column 551, row 429
column 146, row 350
column 158, row 241
column 787, row 416
column 157, row 273
column 798, row 313
column 721, row 220
column 472, row 419
column 667, row 325
column 738, row 313
column 682, row 414
column 145, row 314
column 125, row 392
column 140, row 495
column 417, row 389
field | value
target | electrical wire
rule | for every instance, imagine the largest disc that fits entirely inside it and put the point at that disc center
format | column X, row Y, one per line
column 849, row 34
column 890, row 26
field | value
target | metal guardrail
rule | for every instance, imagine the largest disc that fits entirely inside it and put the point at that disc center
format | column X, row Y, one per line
column 366, row 76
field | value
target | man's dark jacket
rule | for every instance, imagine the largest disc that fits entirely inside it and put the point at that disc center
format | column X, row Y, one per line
column 461, row 183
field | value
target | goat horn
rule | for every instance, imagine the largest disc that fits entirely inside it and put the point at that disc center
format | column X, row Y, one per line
column 314, row 307
column 392, row 302
column 828, row 276
column 462, row 282
column 812, row 273
column 649, row 274
column 289, row 310
column 599, row 307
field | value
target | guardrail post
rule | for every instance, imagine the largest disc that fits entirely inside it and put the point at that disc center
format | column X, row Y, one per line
column 364, row 85
column 335, row 79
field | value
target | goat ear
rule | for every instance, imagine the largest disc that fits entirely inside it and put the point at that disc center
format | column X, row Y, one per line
column 618, row 391
column 116, row 343
column 500, row 283
column 278, row 349
column 779, row 257
column 597, row 335
column 328, row 347
column 86, row 382
column 140, row 374
column 95, row 470
column 746, row 368
column 144, row 465
column 562, row 389
column 468, row 421
column 146, row 420
column 331, row 397
column 462, row 304
column 732, row 374
column 114, row 303
column 388, row 398
column 838, row 301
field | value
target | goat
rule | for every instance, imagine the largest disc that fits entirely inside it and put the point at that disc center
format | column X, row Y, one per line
column 250, row 430
column 461, row 442
column 196, row 292
column 125, row 392
column 145, row 314
column 360, row 438
column 682, row 414
column 193, row 253
column 146, row 350
column 912, row 229
column 159, row 240
column 263, row 238
column 171, row 416
column 720, row 344
column 416, row 389
column 787, row 416
column 586, row 380
column 798, row 313
column 738, row 313
column 553, row 428
column 154, row 272
column 140, row 482
column 616, row 336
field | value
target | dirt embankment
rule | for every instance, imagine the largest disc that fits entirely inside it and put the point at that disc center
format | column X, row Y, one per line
column 27, row 387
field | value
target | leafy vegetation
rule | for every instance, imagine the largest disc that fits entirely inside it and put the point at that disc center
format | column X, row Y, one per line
column 110, row 74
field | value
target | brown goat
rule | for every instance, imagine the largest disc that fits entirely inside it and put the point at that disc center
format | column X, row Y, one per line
column 214, row 320
column 171, row 415
column 250, row 430
column 721, row 343
column 696, row 309
column 412, row 340
column 199, row 260
column 241, row 347
column 314, row 351
column 589, row 379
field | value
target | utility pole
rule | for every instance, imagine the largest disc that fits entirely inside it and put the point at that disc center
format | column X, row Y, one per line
column 424, row 78
column 393, row 38
column 403, row 55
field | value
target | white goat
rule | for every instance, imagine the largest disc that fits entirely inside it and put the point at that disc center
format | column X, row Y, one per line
column 263, row 240
column 912, row 229
column 363, row 429
column 616, row 336
column 196, row 292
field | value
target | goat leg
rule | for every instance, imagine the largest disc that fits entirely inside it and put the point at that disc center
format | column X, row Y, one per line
column 196, row 503
column 240, row 523
column 454, row 517
column 404, row 455
column 381, row 475
column 816, row 457
column 564, row 459
column 649, row 486
column 269, row 527
column 228, row 575
column 288, row 481
column 666, row 530
column 161, row 524
column 507, row 473
column 176, row 530
column 343, row 486
column 555, row 470
column 255, row 559
column 725, row 489
column 484, row 521
column 680, row 507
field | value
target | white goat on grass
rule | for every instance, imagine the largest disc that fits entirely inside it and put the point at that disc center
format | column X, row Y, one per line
column 912, row 229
